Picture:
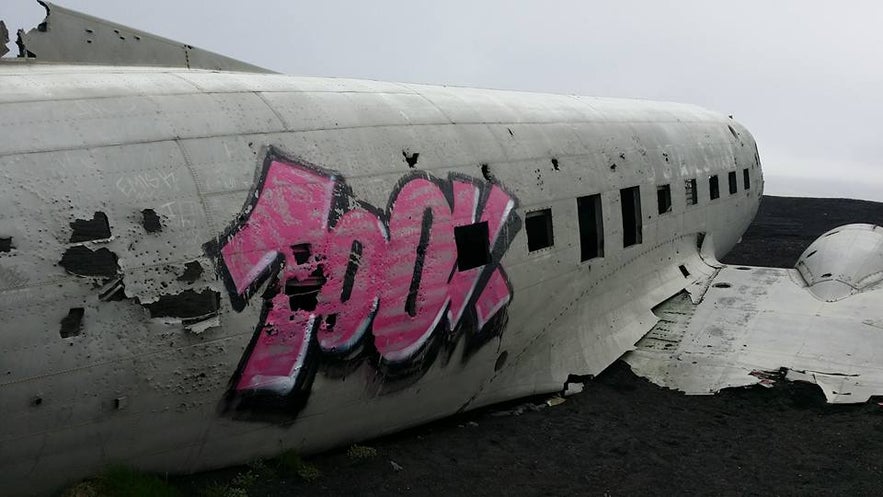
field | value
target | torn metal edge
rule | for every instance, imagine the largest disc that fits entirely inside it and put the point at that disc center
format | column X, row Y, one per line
column 71, row 37
column 4, row 39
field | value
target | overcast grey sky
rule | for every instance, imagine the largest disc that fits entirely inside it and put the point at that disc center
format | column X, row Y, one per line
column 805, row 76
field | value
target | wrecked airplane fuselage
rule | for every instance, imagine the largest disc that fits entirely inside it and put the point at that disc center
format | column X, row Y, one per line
column 344, row 293
column 202, row 267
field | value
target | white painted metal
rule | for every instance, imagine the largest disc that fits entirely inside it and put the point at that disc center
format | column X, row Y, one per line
column 80, row 140
column 753, row 321
column 71, row 37
column 844, row 261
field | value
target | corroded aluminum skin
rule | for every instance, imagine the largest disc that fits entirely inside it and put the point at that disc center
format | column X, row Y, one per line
column 145, row 391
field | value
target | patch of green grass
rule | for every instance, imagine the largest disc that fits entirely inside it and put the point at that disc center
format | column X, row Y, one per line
column 361, row 452
column 263, row 470
column 222, row 490
column 82, row 489
column 291, row 461
column 120, row 481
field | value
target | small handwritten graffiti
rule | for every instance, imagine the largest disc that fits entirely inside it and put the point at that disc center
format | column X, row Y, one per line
column 143, row 185
column 348, row 280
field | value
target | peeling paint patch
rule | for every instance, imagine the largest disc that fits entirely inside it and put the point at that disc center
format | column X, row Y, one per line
column 192, row 272
column 191, row 306
column 87, row 230
column 83, row 261
column 72, row 324
column 5, row 244
column 150, row 220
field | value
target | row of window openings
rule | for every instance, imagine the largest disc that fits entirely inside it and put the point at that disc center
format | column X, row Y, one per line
column 538, row 224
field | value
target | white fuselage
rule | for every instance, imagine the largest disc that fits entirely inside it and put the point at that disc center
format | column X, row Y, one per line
column 403, row 211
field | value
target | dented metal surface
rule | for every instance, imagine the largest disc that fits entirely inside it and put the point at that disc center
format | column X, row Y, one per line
column 753, row 321
column 207, row 267
column 4, row 39
column 71, row 37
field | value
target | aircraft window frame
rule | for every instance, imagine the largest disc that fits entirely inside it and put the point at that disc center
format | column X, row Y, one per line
column 590, row 216
column 691, row 191
column 539, row 230
column 714, row 191
column 746, row 179
column 733, row 182
column 663, row 199
column 632, row 228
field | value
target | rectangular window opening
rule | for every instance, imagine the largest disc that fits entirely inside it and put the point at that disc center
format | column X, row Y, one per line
column 472, row 245
column 746, row 179
column 631, row 216
column 684, row 271
column 692, row 193
column 663, row 198
column 591, row 227
column 538, row 225
column 713, row 188
column 734, row 183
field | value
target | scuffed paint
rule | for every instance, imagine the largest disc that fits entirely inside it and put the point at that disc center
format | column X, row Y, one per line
column 340, row 270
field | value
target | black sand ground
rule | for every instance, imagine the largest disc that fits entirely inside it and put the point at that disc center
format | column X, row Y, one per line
column 624, row 436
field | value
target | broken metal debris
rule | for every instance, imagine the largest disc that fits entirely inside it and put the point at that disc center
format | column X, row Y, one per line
column 573, row 389
column 192, row 272
column 520, row 409
column 6, row 244
column 150, row 220
column 113, row 291
column 59, row 38
column 84, row 261
column 4, row 39
column 87, row 230
column 72, row 324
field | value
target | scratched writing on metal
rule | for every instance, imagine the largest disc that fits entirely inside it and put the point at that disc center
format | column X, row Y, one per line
column 143, row 185
column 186, row 213
column 346, row 277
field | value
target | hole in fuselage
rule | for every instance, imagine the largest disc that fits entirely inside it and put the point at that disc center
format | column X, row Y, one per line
column 472, row 245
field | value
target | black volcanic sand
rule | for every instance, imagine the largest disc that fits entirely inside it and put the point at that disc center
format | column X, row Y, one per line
column 624, row 436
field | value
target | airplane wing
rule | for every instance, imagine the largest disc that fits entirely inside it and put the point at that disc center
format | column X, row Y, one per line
column 67, row 36
column 821, row 322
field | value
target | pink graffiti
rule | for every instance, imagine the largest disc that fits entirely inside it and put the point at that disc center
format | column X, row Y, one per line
column 338, row 268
